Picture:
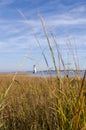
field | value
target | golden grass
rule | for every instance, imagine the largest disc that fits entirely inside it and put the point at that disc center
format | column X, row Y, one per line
column 36, row 103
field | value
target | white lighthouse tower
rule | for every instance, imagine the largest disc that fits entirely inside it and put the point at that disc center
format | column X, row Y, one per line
column 34, row 69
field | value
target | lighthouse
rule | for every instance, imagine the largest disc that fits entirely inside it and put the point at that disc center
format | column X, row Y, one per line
column 34, row 69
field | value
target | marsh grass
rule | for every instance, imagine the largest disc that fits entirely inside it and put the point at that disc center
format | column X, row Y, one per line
column 37, row 103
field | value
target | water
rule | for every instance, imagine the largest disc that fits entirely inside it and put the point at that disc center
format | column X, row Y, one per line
column 70, row 73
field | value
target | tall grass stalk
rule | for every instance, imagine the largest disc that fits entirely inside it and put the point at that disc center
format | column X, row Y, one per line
column 80, row 103
column 50, row 47
column 13, row 80
column 73, row 55
column 46, row 61
column 58, row 51
column 36, row 38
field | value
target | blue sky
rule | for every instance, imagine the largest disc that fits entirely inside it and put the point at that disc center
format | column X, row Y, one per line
column 65, row 18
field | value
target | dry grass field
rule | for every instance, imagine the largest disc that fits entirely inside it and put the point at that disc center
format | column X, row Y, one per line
column 37, row 103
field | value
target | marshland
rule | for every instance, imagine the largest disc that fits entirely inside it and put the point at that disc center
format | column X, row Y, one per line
column 40, row 102
column 37, row 103
column 43, row 103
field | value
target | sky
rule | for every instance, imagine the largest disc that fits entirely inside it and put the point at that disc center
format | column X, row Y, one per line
column 20, row 23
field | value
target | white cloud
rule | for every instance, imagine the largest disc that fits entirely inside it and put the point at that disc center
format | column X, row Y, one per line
column 18, row 34
column 6, row 2
column 78, row 9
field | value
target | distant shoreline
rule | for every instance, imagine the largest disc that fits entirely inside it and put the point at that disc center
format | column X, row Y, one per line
column 46, row 73
column 40, row 71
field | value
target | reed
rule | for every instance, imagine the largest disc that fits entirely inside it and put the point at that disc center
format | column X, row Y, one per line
column 50, row 47
column 38, row 103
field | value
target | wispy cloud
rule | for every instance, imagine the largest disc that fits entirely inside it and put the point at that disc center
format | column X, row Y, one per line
column 6, row 2
column 20, row 34
column 17, row 34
